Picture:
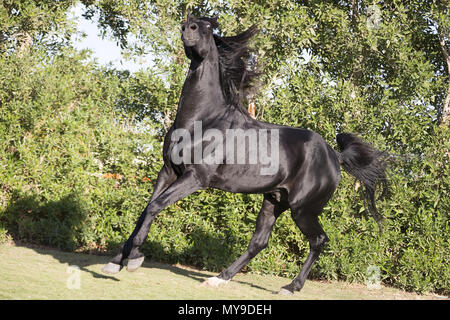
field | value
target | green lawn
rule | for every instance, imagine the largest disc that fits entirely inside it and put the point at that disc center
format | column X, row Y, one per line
column 35, row 273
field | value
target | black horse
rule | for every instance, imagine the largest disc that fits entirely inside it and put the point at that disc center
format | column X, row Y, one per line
column 307, row 169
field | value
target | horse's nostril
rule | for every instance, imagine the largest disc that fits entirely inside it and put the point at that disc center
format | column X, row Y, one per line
column 193, row 26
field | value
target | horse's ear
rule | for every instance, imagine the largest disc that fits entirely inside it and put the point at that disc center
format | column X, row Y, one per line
column 189, row 16
column 212, row 21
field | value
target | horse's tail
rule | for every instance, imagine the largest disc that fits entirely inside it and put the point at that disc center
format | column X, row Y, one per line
column 366, row 164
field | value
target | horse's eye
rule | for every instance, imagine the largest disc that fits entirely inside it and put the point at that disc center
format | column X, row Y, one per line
column 183, row 28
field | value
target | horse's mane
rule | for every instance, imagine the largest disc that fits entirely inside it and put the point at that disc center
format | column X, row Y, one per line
column 236, row 66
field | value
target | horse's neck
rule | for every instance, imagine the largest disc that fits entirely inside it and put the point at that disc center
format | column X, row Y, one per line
column 202, row 98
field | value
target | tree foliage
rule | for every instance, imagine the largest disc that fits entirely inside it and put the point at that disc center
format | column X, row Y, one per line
column 81, row 144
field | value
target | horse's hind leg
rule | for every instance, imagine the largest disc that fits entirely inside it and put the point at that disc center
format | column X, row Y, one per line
column 267, row 216
column 308, row 223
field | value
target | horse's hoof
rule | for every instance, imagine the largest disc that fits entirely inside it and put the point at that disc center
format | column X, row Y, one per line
column 134, row 264
column 214, row 282
column 285, row 292
column 111, row 268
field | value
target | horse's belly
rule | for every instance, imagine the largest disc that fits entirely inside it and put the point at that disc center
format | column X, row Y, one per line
column 246, row 179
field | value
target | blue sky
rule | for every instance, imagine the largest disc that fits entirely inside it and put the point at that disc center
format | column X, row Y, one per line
column 104, row 51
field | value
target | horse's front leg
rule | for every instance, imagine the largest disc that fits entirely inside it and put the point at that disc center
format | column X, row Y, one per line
column 162, row 197
column 166, row 177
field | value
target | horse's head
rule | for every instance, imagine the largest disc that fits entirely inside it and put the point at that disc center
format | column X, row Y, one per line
column 234, row 63
column 197, row 36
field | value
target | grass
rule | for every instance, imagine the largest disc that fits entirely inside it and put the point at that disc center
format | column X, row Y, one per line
column 42, row 273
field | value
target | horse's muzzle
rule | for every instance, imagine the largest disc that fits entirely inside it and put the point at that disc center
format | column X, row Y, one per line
column 189, row 42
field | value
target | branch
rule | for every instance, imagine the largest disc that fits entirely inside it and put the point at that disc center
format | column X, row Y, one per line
column 444, row 50
column 446, row 108
column 355, row 13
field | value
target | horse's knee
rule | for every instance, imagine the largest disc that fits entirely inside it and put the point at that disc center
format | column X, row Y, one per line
column 256, row 246
column 317, row 243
